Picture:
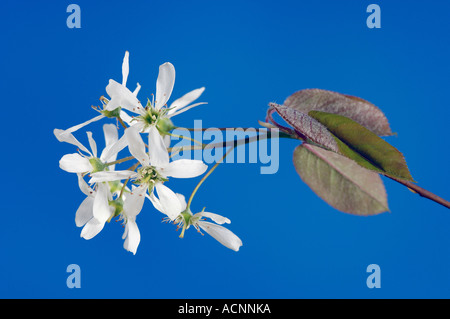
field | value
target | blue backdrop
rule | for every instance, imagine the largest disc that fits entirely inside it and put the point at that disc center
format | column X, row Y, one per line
column 246, row 54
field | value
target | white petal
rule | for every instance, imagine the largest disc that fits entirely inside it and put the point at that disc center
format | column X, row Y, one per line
column 157, row 150
column 155, row 201
column 179, row 111
column 101, row 210
column 122, row 97
column 64, row 136
column 185, row 100
column 125, row 68
column 110, row 176
column 134, row 202
column 222, row 235
column 136, row 145
column 137, row 89
column 185, row 168
column 84, row 212
column 111, row 134
column 126, row 118
column 92, row 228
column 169, row 201
column 164, row 84
column 92, row 144
column 182, row 200
column 216, row 218
column 77, row 127
column 84, row 187
column 75, row 163
column 109, row 154
column 133, row 236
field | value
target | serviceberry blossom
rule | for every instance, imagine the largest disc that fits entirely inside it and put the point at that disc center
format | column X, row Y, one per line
column 223, row 235
column 120, row 96
column 156, row 113
column 154, row 171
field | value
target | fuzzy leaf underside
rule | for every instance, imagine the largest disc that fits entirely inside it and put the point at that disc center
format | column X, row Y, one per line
column 307, row 126
column 363, row 146
column 355, row 108
column 340, row 182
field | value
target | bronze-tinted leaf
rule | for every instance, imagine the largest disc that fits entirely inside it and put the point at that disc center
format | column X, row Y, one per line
column 359, row 110
column 311, row 129
column 340, row 182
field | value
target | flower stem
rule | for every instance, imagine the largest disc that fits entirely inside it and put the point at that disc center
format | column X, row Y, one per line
column 186, row 138
column 206, row 176
column 122, row 123
column 129, row 158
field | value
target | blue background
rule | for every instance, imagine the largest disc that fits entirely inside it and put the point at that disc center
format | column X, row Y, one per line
column 246, row 54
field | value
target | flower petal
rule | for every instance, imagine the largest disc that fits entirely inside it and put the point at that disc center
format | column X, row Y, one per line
column 92, row 144
column 121, row 96
column 157, row 150
column 134, row 201
column 110, row 176
column 84, row 187
column 132, row 236
column 185, row 100
column 164, row 84
column 91, row 229
column 125, row 68
column 111, row 134
column 182, row 200
column 222, row 235
column 170, row 203
column 216, row 218
column 185, row 168
column 77, row 127
column 75, row 163
column 84, row 212
column 179, row 111
column 65, row 136
column 155, row 201
column 101, row 210
column 136, row 145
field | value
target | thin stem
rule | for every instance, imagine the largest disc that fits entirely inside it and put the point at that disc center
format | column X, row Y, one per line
column 122, row 123
column 206, row 176
column 185, row 137
column 123, row 187
column 227, row 143
column 129, row 158
column 422, row 192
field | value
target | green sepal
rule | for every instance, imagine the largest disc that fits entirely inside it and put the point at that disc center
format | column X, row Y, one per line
column 112, row 114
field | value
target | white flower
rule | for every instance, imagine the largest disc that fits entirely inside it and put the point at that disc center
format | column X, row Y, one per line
column 99, row 207
column 89, row 163
column 94, row 211
column 155, row 169
column 119, row 94
column 224, row 236
column 156, row 112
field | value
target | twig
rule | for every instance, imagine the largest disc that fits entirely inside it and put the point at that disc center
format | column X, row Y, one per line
column 422, row 192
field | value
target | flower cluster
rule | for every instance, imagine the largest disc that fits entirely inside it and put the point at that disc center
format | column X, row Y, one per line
column 112, row 193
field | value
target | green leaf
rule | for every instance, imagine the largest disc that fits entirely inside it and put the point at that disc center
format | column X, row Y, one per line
column 363, row 146
column 355, row 108
column 340, row 182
